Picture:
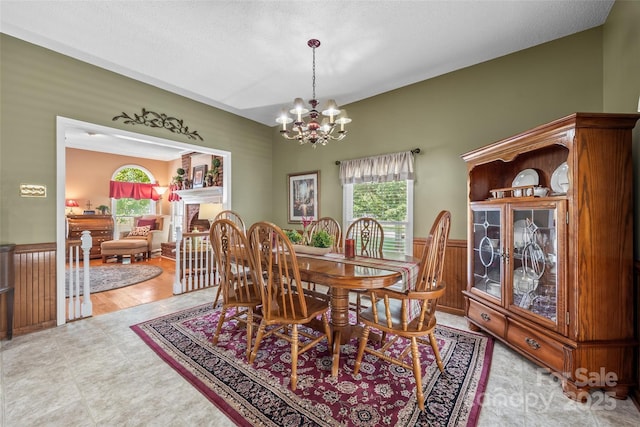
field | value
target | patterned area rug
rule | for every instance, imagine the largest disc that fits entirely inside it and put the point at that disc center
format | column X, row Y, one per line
column 381, row 394
column 106, row 277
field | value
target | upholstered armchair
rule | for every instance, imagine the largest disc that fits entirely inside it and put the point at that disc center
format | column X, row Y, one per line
column 158, row 230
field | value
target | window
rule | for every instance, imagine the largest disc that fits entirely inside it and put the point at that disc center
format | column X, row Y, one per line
column 125, row 209
column 390, row 203
column 381, row 187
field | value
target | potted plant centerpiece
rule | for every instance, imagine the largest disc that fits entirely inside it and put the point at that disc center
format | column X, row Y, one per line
column 320, row 243
column 293, row 236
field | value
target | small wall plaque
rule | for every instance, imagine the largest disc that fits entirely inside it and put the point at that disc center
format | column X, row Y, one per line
column 33, row 190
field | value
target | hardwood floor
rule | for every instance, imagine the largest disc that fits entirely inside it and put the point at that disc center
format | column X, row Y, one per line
column 158, row 288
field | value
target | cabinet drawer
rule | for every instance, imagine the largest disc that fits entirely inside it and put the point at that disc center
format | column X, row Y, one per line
column 488, row 318
column 543, row 348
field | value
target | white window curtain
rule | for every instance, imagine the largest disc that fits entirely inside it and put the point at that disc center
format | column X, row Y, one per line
column 383, row 168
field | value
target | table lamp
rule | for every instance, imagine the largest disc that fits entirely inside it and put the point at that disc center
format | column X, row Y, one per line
column 160, row 191
column 71, row 203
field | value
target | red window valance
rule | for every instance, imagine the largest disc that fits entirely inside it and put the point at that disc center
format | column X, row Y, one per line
column 132, row 190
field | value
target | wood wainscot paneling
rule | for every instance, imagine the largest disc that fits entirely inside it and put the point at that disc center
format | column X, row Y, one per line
column 35, row 289
column 635, row 394
column 455, row 273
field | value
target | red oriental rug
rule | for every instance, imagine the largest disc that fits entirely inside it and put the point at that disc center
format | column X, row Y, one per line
column 381, row 394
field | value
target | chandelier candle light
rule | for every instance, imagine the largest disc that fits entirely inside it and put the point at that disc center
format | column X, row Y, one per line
column 313, row 132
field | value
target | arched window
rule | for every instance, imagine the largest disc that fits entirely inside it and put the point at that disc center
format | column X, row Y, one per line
column 125, row 209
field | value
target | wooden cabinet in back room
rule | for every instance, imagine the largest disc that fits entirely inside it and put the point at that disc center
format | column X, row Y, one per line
column 100, row 226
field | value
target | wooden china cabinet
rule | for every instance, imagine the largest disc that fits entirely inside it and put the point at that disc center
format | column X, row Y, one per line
column 551, row 275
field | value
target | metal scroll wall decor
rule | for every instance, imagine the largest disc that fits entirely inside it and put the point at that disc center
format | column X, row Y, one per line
column 159, row 120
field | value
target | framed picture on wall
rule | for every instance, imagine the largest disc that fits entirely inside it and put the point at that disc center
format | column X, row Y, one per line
column 304, row 193
column 199, row 173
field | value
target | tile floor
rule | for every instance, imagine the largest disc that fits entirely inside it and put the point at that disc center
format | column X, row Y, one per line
column 97, row 372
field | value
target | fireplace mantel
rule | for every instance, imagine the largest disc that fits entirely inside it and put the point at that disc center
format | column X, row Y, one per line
column 201, row 195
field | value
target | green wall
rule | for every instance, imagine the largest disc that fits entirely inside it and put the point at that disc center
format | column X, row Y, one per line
column 37, row 84
column 448, row 116
column 595, row 70
column 621, row 86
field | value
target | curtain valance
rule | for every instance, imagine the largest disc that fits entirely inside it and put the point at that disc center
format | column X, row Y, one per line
column 383, row 168
column 132, row 190
column 173, row 196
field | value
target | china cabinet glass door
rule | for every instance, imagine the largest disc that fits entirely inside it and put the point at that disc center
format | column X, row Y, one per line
column 534, row 261
column 487, row 251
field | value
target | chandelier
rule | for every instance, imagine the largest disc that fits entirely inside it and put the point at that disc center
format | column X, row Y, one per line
column 313, row 131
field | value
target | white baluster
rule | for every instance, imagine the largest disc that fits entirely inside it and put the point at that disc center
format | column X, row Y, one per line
column 200, row 263
column 76, row 288
column 87, row 306
column 72, row 258
column 177, row 282
column 189, row 252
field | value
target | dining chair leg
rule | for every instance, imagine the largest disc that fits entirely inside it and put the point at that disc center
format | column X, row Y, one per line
column 214, row 340
column 363, row 344
column 215, row 301
column 261, row 330
column 294, row 356
column 436, row 351
column 249, row 331
column 417, row 372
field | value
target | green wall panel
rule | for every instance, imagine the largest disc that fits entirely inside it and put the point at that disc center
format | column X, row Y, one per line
column 622, row 78
column 37, row 84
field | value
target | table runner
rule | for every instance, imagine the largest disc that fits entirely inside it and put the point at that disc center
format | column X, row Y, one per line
column 408, row 269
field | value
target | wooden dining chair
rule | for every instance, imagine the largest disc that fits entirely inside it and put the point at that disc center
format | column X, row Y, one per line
column 368, row 235
column 285, row 305
column 369, row 238
column 237, row 220
column 332, row 227
column 232, row 216
column 238, row 285
column 410, row 314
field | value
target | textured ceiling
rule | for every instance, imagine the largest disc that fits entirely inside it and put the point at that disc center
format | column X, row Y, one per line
column 251, row 57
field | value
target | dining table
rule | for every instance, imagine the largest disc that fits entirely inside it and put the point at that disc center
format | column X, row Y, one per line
column 342, row 275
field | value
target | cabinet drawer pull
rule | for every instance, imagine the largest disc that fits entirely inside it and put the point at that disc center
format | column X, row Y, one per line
column 485, row 317
column 532, row 343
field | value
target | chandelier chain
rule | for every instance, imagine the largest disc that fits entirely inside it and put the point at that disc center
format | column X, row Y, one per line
column 313, row 81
